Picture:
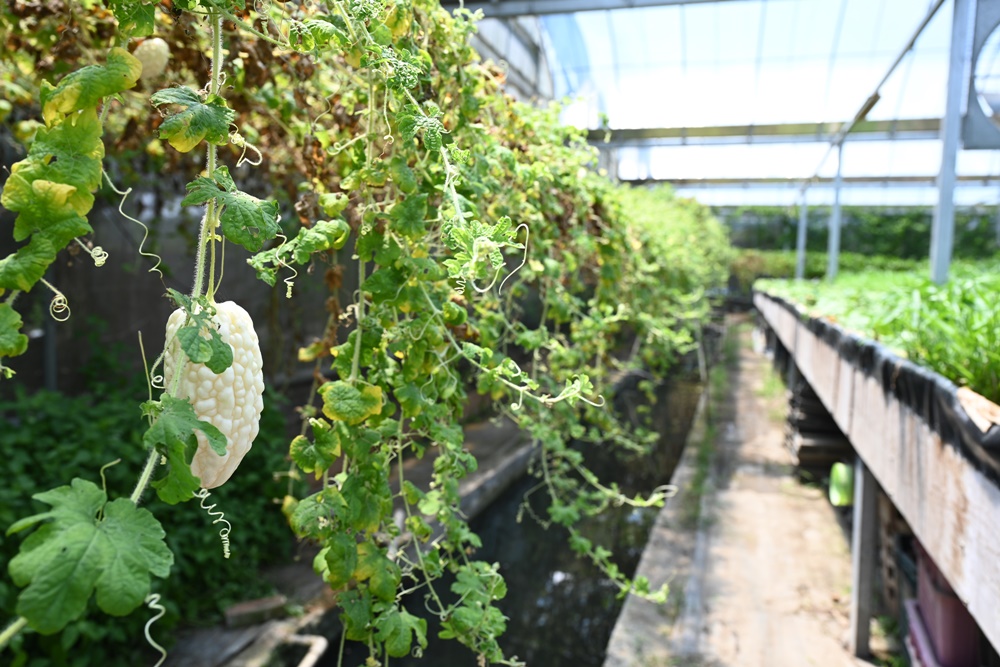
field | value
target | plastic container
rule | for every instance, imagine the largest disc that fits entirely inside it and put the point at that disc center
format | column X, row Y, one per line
column 918, row 644
column 951, row 629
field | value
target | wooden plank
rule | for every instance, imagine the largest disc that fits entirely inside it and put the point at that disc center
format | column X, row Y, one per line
column 843, row 411
column 863, row 552
column 954, row 509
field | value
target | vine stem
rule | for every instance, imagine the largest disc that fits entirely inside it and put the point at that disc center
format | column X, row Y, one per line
column 12, row 630
column 356, row 359
column 147, row 474
column 206, row 235
column 406, row 506
column 523, row 390
column 449, row 171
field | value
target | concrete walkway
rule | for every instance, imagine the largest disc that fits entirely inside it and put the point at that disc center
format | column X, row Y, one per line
column 758, row 564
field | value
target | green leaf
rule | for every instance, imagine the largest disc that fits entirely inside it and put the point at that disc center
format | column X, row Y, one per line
column 135, row 18
column 50, row 189
column 319, row 456
column 403, row 175
column 333, row 203
column 432, row 137
column 314, row 514
column 357, row 606
column 70, row 152
column 26, row 267
column 479, row 582
column 222, row 354
column 411, row 399
column 12, row 342
column 564, row 514
column 46, row 207
column 179, row 485
column 384, row 575
column 195, row 347
column 395, row 629
column 313, row 33
column 214, row 352
column 364, row 507
column 409, row 215
column 246, row 220
column 430, row 503
column 85, row 545
column 207, row 119
column 173, row 435
column 340, row 560
column 200, row 338
column 345, row 402
column 177, row 421
column 324, row 235
column 385, row 283
column 87, row 86
column 265, row 264
column 181, row 300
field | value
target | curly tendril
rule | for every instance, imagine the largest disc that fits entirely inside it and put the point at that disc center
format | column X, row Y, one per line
column 104, row 482
column 153, row 603
column 289, row 281
column 59, row 306
column 263, row 9
column 121, row 209
column 520, row 401
column 220, row 517
column 524, row 258
column 152, row 381
column 97, row 253
column 240, row 141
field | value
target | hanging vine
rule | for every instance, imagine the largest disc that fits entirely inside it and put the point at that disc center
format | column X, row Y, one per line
column 383, row 135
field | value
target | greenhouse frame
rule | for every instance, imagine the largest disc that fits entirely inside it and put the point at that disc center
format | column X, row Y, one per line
column 596, row 333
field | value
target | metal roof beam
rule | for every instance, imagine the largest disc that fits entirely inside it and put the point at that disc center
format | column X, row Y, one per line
column 871, row 130
column 791, row 183
column 508, row 8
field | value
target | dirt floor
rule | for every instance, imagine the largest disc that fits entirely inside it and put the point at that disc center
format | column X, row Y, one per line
column 758, row 561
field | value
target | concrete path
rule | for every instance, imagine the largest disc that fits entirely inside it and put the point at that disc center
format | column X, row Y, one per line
column 758, row 564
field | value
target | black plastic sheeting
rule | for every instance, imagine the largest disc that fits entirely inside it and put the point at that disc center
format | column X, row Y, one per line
column 926, row 393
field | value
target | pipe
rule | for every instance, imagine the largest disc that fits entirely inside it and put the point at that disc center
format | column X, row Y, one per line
column 317, row 647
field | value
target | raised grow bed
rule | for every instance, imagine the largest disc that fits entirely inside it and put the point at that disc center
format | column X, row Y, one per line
column 932, row 445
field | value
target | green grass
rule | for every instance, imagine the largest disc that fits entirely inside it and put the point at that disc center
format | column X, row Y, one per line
column 772, row 387
column 691, row 499
column 718, row 386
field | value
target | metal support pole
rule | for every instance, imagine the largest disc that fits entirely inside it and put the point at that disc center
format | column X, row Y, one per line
column 833, row 245
column 996, row 226
column 863, row 550
column 800, row 239
column 943, row 228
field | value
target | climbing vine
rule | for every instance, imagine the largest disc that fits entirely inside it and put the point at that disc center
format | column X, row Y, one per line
column 488, row 254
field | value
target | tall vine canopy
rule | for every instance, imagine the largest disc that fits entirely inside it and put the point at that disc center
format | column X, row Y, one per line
column 357, row 142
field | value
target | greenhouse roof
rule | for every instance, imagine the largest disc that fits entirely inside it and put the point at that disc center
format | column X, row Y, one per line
column 735, row 101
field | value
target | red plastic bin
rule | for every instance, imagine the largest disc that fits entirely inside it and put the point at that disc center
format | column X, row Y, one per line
column 952, row 630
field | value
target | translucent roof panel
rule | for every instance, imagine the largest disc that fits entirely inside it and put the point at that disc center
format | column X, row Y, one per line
column 743, row 62
column 747, row 63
